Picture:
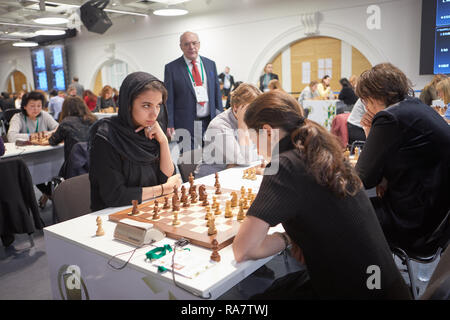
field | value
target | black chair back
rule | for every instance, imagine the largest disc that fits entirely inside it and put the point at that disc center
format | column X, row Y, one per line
column 72, row 198
column 78, row 162
column 6, row 118
column 9, row 113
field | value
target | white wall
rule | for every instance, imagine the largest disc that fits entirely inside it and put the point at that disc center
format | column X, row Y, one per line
column 244, row 34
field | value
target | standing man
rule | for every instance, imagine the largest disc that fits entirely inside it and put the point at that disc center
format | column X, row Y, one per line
column 266, row 77
column 193, row 88
column 227, row 80
column 55, row 103
column 79, row 87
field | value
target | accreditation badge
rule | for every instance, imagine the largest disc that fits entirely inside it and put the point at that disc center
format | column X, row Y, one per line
column 201, row 94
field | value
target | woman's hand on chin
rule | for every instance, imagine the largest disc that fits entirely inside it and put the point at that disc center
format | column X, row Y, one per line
column 154, row 132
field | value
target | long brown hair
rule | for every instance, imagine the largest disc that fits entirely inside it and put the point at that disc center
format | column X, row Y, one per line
column 76, row 107
column 90, row 95
column 105, row 90
column 319, row 150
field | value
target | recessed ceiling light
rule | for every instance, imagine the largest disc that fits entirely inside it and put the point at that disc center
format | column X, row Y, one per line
column 51, row 20
column 50, row 32
column 25, row 44
column 170, row 12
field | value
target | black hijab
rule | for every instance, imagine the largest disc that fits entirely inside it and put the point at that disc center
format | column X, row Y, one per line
column 119, row 130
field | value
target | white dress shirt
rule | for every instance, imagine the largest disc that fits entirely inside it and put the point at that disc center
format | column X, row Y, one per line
column 202, row 111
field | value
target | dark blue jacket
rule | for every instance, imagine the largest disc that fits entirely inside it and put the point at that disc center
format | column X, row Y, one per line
column 181, row 100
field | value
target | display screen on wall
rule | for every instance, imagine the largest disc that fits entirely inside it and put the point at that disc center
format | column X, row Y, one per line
column 442, row 37
column 50, row 68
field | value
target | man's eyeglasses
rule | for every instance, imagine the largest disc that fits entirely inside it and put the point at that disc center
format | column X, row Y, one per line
column 188, row 44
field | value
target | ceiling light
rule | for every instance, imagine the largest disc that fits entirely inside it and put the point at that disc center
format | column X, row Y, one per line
column 25, row 44
column 50, row 32
column 170, row 12
column 126, row 12
column 51, row 20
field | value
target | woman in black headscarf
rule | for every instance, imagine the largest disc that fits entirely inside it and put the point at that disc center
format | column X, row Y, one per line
column 129, row 153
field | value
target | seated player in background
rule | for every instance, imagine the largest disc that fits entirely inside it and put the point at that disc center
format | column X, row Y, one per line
column 347, row 95
column 408, row 144
column 354, row 127
column 106, row 100
column 320, row 201
column 74, row 127
column 443, row 90
column 29, row 122
column 324, row 88
column 309, row 93
column 129, row 154
column 32, row 119
column 275, row 84
column 430, row 91
column 224, row 140
column 90, row 99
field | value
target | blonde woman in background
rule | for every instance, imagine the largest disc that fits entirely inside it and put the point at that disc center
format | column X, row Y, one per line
column 275, row 84
column 353, row 80
column 443, row 91
column 429, row 92
column 324, row 88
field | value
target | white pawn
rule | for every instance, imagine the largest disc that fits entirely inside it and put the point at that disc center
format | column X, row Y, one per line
column 100, row 232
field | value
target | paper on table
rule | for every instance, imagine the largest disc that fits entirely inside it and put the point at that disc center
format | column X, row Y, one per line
column 306, row 72
column 185, row 263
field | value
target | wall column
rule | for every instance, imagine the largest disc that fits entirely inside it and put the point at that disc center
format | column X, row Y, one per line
column 286, row 69
column 346, row 60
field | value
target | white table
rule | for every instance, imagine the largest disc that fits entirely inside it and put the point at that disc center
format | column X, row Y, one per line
column 101, row 115
column 73, row 243
column 321, row 111
column 43, row 162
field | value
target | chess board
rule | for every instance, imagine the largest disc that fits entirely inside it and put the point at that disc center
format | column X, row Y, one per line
column 39, row 139
column 258, row 169
column 108, row 110
column 40, row 142
column 192, row 219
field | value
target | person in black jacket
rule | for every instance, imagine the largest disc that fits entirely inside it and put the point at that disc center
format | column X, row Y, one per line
column 74, row 125
column 347, row 95
column 317, row 196
column 17, row 201
column 129, row 154
column 406, row 154
column 6, row 102
column 227, row 81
